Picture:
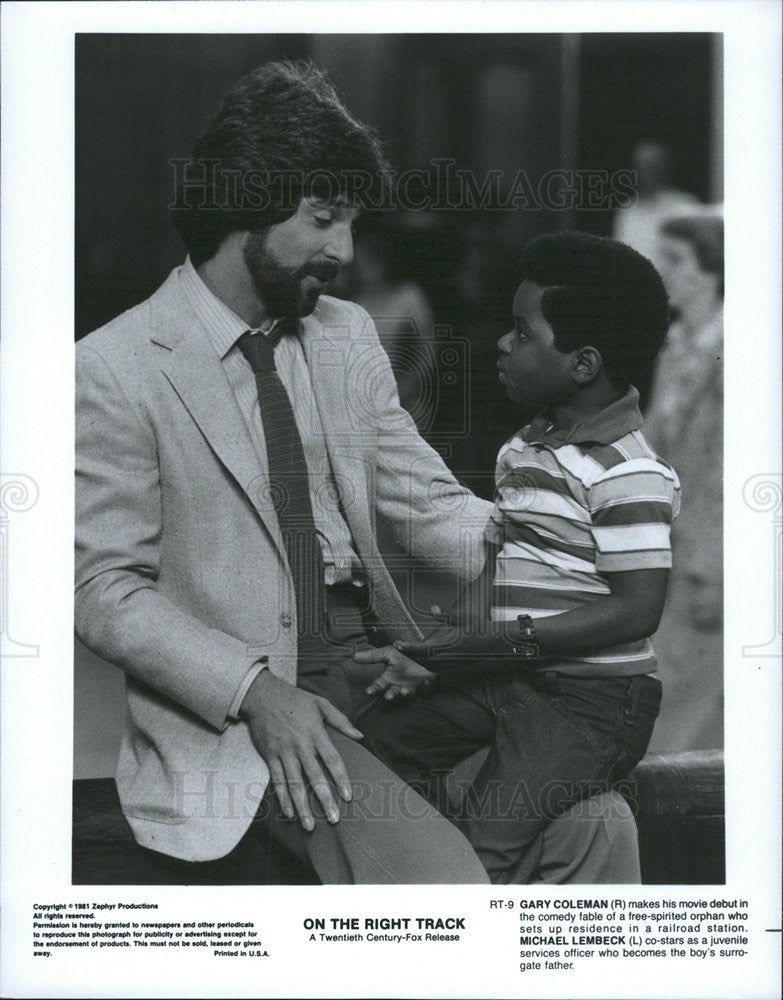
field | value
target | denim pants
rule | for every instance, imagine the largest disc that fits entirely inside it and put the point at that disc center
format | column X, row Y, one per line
column 553, row 740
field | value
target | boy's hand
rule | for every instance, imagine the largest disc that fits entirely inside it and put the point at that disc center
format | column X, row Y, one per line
column 402, row 677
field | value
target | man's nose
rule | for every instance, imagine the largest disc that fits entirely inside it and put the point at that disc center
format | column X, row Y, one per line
column 340, row 246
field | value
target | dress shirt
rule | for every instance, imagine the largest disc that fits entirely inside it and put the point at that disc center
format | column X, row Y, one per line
column 224, row 328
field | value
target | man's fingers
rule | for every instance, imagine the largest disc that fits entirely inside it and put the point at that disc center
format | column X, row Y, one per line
column 319, row 784
column 280, row 786
column 296, row 788
column 336, row 718
column 327, row 751
column 335, row 766
column 301, row 770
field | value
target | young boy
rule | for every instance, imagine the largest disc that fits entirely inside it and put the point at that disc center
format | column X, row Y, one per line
column 557, row 683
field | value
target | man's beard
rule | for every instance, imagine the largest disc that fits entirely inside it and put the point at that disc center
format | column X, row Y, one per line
column 280, row 287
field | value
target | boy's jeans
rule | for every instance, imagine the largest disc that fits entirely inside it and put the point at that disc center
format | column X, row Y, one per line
column 553, row 740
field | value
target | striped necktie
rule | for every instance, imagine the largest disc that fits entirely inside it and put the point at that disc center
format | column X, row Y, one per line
column 288, row 479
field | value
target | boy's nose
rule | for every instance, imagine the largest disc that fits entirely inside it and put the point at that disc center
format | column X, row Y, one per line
column 504, row 343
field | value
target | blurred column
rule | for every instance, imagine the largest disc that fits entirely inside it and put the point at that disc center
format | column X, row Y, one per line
column 716, row 143
column 569, row 114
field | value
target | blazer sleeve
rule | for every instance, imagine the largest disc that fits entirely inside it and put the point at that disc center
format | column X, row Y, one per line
column 428, row 513
column 120, row 612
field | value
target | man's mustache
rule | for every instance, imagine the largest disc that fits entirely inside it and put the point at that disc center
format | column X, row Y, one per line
column 324, row 272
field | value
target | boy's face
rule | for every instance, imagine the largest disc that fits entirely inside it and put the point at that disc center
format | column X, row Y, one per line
column 531, row 368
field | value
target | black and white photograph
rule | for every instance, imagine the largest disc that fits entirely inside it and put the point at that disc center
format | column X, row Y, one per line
column 533, row 154
column 420, row 543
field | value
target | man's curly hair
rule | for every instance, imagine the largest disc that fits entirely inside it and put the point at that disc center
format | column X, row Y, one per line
column 282, row 132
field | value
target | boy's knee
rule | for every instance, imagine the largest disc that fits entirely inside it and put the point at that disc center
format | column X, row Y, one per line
column 594, row 842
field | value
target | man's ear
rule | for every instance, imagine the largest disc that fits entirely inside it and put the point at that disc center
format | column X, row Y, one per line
column 587, row 365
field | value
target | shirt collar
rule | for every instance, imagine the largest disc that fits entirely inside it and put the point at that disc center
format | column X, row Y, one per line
column 611, row 423
column 222, row 324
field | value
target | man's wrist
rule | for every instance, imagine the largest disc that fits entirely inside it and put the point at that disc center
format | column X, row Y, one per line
column 242, row 699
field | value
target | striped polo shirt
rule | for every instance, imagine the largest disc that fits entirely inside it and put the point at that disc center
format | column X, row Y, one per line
column 572, row 507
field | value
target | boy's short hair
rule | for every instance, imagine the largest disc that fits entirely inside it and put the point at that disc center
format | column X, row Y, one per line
column 602, row 293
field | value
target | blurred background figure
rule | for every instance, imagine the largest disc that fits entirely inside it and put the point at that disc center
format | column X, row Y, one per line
column 657, row 199
column 684, row 422
column 404, row 320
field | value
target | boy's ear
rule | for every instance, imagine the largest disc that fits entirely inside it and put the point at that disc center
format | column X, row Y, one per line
column 587, row 365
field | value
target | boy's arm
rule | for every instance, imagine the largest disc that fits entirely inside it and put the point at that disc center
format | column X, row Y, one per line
column 632, row 506
column 631, row 611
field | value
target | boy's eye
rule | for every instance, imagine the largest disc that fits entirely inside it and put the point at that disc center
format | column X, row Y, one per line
column 322, row 221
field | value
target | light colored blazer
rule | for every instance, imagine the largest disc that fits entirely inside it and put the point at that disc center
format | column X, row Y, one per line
column 181, row 573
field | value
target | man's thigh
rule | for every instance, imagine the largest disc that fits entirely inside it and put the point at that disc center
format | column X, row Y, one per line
column 387, row 833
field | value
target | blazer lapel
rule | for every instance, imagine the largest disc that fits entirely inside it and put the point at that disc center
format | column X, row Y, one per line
column 196, row 374
column 194, row 371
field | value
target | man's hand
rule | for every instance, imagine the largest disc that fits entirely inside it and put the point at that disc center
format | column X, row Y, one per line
column 402, row 676
column 287, row 727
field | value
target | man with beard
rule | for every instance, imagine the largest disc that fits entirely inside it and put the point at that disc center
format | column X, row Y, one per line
column 239, row 442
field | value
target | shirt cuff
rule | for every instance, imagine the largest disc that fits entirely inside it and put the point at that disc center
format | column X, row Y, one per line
column 239, row 697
